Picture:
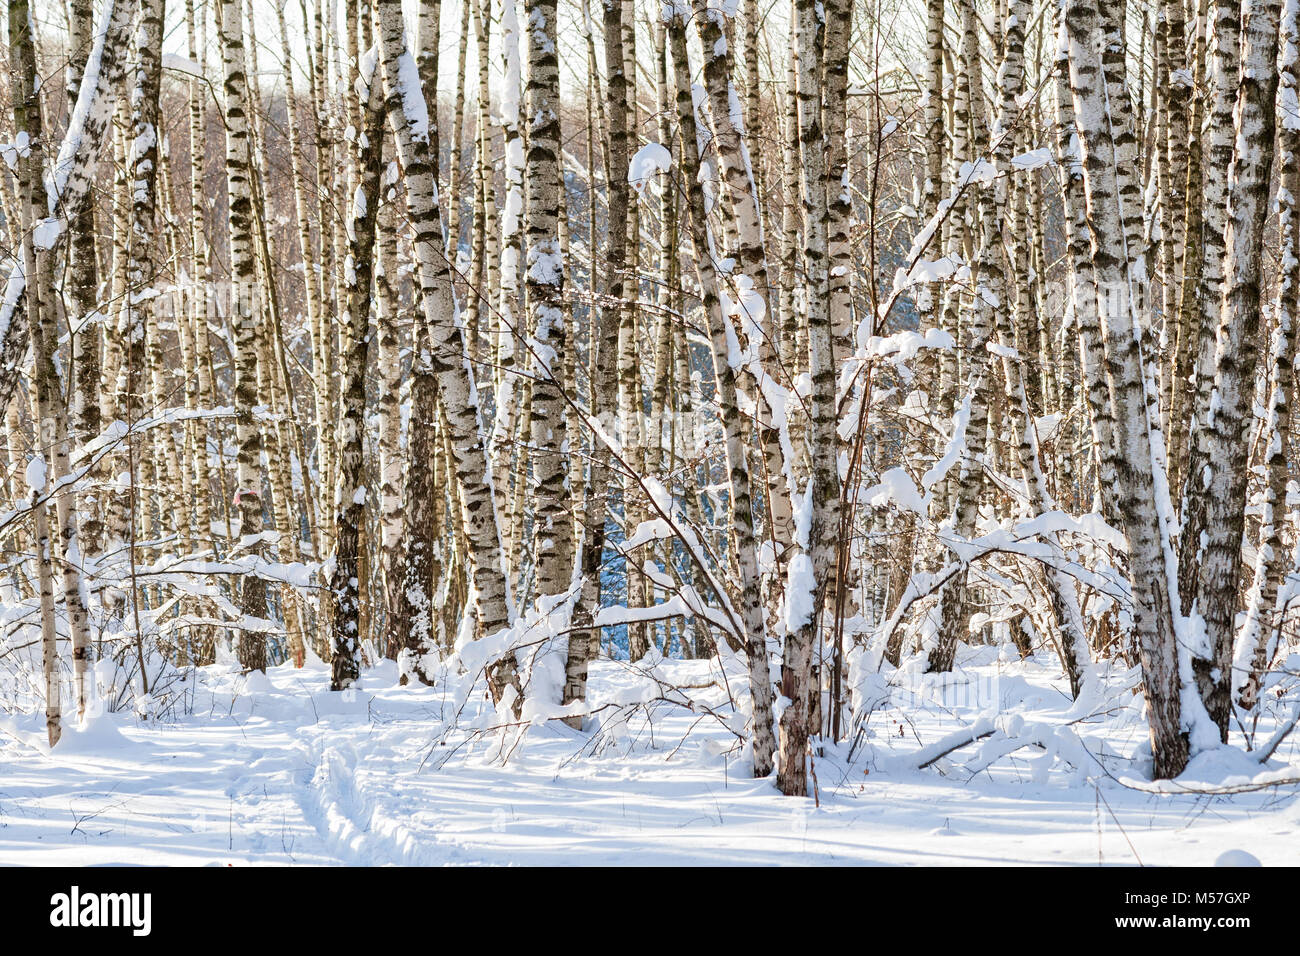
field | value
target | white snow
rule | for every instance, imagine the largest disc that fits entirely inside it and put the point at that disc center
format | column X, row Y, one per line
column 981, row 171
column 278, row 769
column 35, row 474
column 800, row 592
column 648, row 161
column 1034, row 159
column 181, row 64
column 46, row 232
column 408, row 87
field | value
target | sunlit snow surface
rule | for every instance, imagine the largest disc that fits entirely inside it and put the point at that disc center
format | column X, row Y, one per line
column 280, row 770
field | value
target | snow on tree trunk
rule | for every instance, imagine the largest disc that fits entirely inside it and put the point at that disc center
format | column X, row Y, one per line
column 747, row 281
column 1225, row 30
column 350, row 494
column 819, row 496
column 721, row 338
column 73, row 169
column 1107, row 140
column 244, row 310
column 511, row 334
column 604, row 332
column 1083, row 284
column 50, row 409
column 544, row 288
column 410, row 121
column 1231, row 417
column 1257, row 639
column 990, row 294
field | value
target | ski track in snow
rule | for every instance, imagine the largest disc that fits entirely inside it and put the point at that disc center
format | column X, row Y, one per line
column 290, row 773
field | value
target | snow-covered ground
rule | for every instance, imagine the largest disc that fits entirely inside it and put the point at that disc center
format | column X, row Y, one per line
column 277, row 769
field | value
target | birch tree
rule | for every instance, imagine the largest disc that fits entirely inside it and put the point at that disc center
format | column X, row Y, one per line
column 351, row 494
column 1107, row 143
column 1257, row 639
column 1229, row 425
column 408, row 118
column 544, row 289
column 244, row 308
column 741, row 506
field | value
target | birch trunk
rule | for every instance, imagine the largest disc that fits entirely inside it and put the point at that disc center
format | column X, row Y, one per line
column 1231, row 413
column 1257, row 640
column 741, row 191
column 244, row 315
column 83, row 283
column 605, row 343
column 1107, row 140
column 742, row 521
column 199, row 388
column 544, row 291
column 73, row 169
column 45, row 384
column 410, row 122
column 350, row 494
column 510, row 335
column 990, row 294
column 1083, row 285
column 1225, row 31
column 51, row 409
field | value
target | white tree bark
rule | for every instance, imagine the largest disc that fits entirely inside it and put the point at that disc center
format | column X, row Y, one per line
column 409, row 119
column 1231, row 415
column 742, row 519
column 1106, row 134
